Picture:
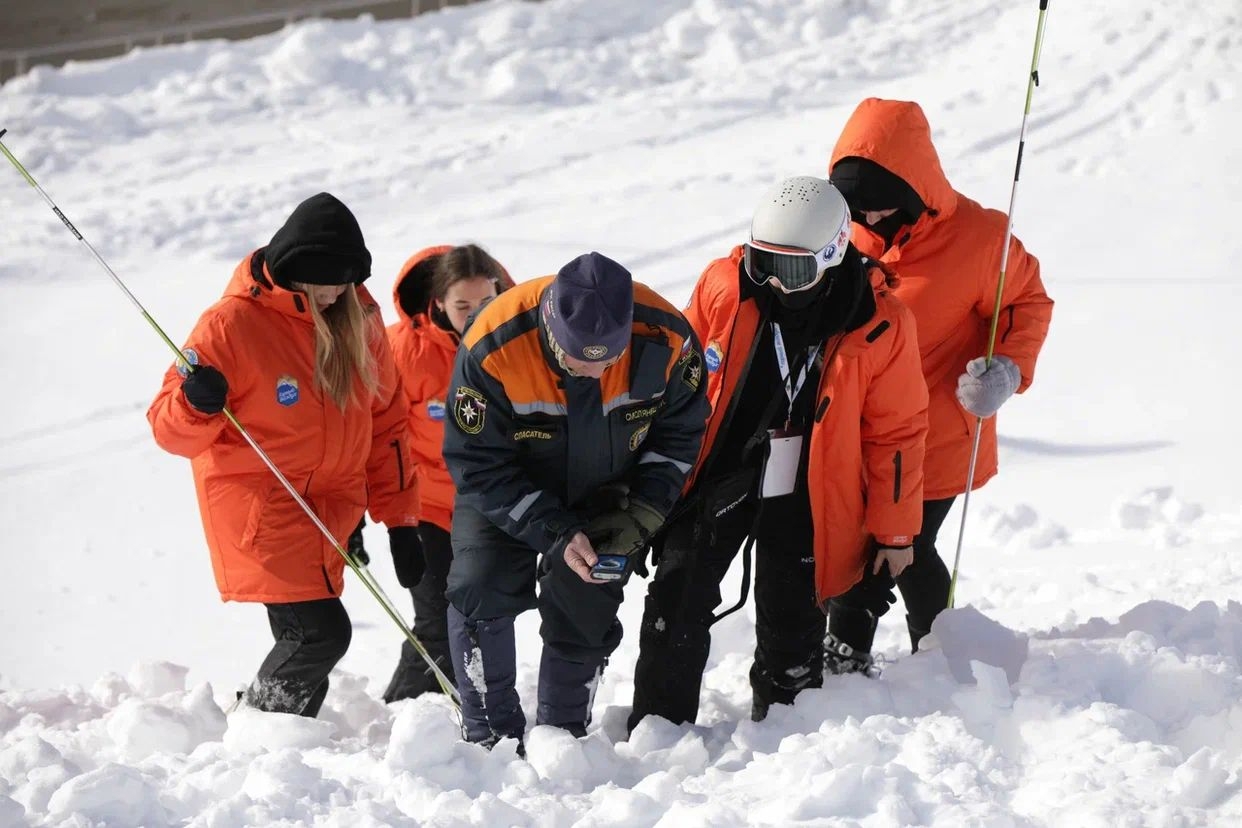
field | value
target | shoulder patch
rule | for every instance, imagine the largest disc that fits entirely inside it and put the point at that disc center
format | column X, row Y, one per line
column 189, row 357
column 636, row 439
column 692, row 369
column 469, row 410
column 287, row 392
column 713, row 355
column 877, row 331
column 435, row 409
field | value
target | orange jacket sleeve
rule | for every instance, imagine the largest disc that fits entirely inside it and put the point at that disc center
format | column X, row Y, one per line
column 1026, row 310
column 177, row 426
column 392, row 487
column 894, row 430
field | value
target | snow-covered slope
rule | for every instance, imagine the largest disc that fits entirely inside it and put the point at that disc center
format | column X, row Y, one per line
column 1091, row 675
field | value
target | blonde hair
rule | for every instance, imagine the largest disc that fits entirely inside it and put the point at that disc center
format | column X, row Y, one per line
column 343, row 356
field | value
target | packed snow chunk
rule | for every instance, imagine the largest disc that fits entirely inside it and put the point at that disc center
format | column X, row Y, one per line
column 255, row 731
column 284, row 780
column 140, row 728
column 965, row 635
column 111, row 795
column 991, row 691
column 1201, row 780
column 1021, row 527
column 621, row 807
column 488, row 809
column 556, row 754
column 516, row 79
column 155, row 678
column 19, row 758
column 423, row 736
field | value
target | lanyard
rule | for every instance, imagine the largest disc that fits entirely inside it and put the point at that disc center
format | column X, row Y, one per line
column 792, row 386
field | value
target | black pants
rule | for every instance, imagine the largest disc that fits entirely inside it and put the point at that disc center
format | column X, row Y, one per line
column 413, row 677
column 675, row 638
column 493, row 575
column 311, row 637
column 924, row 587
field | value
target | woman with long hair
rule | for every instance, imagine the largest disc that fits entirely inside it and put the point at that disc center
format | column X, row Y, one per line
column 437, row 290
column 295, row 349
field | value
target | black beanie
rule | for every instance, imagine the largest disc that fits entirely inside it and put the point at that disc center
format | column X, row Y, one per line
column 319, row 244
column 868, row 186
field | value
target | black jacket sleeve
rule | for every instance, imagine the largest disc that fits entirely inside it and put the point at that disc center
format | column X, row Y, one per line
column 482, row 461
column 672, row 446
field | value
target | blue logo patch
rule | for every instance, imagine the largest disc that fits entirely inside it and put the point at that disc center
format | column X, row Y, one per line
column 287, row 390
column 189, row 356
column 713, row 356
column 435, row 409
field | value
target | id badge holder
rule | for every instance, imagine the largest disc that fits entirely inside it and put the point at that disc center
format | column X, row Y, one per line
column 780, row 473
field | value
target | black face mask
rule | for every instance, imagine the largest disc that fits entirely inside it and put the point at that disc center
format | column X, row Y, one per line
column 804, row 298
column 886, row 228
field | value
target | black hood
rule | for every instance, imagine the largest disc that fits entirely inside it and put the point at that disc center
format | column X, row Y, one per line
column 319, row 244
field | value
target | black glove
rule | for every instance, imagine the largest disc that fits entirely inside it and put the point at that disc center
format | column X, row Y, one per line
column 357, row 550
column 205, row 389
column 625, row 532
column 610, row 497
column 407, row 555
column 874, row 592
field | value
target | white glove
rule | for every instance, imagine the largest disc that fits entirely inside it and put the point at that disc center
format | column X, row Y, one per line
column 983, row 389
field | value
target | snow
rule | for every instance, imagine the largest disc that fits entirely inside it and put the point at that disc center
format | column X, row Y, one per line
column 1091, row 674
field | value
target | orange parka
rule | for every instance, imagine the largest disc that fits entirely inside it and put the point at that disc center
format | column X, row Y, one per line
column 949, row 262
column 423, row 352
column 263, row 546
column 865, row 458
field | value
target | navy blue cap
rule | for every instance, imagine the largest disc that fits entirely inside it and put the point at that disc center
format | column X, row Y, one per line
column 589, row 308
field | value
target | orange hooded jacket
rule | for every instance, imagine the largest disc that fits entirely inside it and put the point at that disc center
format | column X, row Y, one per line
column 865, row 459
column 423, row 352
column 263, row 546
column 949, row 262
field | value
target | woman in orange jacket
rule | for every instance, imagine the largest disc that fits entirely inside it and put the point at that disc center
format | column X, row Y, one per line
column 437, row 290
column 295, row 348
column 814, row 449
column 947, row 250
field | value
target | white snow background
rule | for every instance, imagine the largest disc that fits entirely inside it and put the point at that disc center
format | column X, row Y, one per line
column 1091, row 673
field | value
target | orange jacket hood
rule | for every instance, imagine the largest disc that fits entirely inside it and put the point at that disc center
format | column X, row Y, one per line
column 896, row 135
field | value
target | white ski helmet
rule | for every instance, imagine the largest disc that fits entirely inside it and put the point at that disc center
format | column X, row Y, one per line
column 799, row 230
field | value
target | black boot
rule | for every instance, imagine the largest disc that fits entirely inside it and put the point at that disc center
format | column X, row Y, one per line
column 847, row 647
column 413, row 676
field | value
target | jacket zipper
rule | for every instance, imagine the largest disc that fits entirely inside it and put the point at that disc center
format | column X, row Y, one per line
column 396, row 447
column 897, row 477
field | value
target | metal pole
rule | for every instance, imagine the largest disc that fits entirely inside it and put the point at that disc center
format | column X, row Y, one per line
column 1032, row 82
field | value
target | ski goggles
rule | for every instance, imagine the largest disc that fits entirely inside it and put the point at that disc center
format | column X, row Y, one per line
column 793, row 268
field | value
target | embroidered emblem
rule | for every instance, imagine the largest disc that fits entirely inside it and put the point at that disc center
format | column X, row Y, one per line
column 594, row 351
column 435, row 409
column 189, row 357
column 713, row 356
column 636, row 439
column 469, row 410
column 692, row 371
column 532, row 434
column 287, row 390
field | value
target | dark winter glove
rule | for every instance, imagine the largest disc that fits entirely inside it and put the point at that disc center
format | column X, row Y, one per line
column 874, row 592
column 205, row 389
column 610, row 497
column 625, row 532
column 357, row 550
column 983, row 389
column 407, row 555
